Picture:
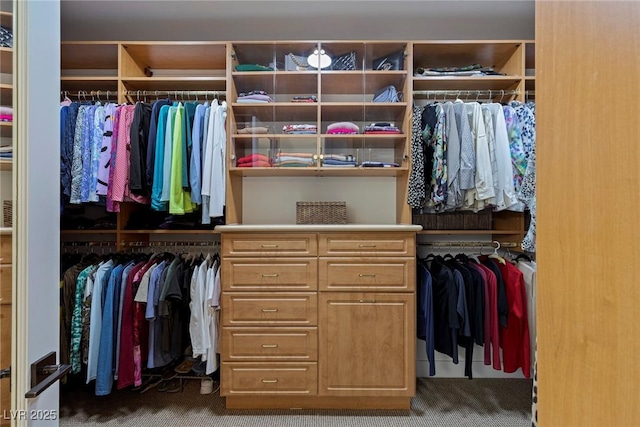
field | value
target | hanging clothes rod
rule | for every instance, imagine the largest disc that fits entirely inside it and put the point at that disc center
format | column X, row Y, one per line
column 91, row 93
column 169, row 243
column 470, row 244
column 489, row 93
column 175, row 93
column 101, row 243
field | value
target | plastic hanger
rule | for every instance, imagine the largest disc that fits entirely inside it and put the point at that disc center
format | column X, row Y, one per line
column 495, row 254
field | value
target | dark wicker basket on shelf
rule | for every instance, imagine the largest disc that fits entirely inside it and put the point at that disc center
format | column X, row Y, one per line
column 321, row 212
column 465, row 220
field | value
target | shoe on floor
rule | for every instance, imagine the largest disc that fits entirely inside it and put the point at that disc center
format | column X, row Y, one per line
column 185, row 366
column 174, row 386
column 206, row 386
column 162, row 386
column 155, row 381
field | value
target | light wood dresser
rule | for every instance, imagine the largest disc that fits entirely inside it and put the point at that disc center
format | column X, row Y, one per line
column 318, row 316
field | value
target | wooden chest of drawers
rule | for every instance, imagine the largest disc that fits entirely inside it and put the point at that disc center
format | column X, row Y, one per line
column 318, row 319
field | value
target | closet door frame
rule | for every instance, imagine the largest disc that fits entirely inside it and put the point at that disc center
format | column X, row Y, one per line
column 36, row 253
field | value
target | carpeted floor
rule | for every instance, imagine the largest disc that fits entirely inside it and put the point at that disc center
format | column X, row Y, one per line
column 438, row 402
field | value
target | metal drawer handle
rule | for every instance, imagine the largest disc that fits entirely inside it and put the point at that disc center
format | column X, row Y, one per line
column 270, row 275
column 269, row 345
column 269, row 381
column 269, row 310
column 367, row 301
column 367, row 275
column 367, row 246
column 269, row 246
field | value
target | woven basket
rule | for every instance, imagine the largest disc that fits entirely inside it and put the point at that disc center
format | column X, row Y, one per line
column 321, row 212
column 455, row 220
column 7, row 213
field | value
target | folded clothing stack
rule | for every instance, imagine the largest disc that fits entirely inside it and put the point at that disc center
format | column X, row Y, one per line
column 294, row 160
column 252, row 67
column 254, row 130
column 381, row 128
column 343, row 128
column 310, row 98
column 339, row 160
column 254, row 97
column 300, row 129
column 6, row 152
column 6, row 114
column 379, row 165
column 467, row 70
column 6, row 37
column 254, row 160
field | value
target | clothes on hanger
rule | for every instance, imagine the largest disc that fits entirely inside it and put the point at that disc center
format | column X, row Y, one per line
column 124, row 314
column 164, row 154
column 464, row 303
column 472, row 156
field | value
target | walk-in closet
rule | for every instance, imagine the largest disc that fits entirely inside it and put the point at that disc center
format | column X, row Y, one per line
column 320, row 222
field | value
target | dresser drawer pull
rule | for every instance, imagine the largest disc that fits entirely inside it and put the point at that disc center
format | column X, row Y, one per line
column 367, row 275
column 269, row 310
column 269, row 381
column 270, row 275
column 367, row 246
column 367, row 301
column 269, row 345
column 269, row 246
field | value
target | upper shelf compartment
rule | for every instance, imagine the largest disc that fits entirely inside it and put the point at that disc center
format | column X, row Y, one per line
column 89, row 66
column 505, row 58
column 173, row 65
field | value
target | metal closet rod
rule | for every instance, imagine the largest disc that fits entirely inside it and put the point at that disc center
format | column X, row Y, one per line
column 89, row 93
column 488, row 92
column 469, row 244
column 174, row 92
column 140, row 244
column 82, row 244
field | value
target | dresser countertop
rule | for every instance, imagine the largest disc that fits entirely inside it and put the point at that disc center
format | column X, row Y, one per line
column 304, row 228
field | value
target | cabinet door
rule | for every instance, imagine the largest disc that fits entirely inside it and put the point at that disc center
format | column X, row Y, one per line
column 366, row 344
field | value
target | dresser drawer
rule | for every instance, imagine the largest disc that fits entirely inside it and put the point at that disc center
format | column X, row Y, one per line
column 255, row 274
column 283, row 308
column 367, row 244
column 5, row 284
column 269, row 379
column 5, row 248
column 276, row 343
column 380, row 274
column 269, row 244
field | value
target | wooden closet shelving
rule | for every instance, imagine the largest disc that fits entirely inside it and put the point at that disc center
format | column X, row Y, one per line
column 6, row 234
column 117, row 66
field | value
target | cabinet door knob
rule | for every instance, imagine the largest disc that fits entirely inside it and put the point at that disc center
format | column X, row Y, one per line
column 367, row 275
column 270, row 275
column 269, row 381
column 269, row 345
column 269, row 246
column 367, row 301
column 367, row 246
column 269, row 310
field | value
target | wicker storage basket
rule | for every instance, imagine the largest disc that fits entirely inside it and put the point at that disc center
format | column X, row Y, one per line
column 321, row 212
column 455, row 220
column 7, row 211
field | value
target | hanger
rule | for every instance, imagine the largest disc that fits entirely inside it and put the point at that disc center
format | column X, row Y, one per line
column 495, row 254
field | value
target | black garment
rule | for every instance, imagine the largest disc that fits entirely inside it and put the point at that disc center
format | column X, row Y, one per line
column 446, row 322
column 429, row 121
column 66, row 148
column 151, row 142
column 503, row 309
column 139, row 133
column 467, row 341
column 478, row 286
